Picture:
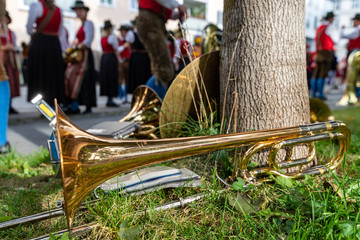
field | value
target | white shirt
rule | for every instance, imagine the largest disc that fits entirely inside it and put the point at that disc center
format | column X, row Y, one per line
column 352, row 33
column 113, row 41
column 36, row 11
column 89, row 33
column 130, row 37
column 332, row 32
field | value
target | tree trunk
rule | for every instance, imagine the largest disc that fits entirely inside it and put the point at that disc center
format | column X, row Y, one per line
column 2, row 8
column 263, row 66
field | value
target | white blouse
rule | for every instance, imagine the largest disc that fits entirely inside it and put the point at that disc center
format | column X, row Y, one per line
column 36, row 10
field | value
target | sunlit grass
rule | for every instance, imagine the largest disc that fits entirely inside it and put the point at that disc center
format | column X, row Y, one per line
column 283, row 209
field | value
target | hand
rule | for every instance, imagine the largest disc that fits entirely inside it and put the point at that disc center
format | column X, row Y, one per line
column 81, row 45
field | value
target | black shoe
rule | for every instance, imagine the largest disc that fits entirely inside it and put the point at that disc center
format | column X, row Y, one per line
column 112, row 104
column 5, row 148
column 69, row 111
column 13, row 111
column 323, row 98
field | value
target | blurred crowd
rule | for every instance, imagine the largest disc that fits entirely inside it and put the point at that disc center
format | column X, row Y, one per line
column 138, row 52
column 323, row 67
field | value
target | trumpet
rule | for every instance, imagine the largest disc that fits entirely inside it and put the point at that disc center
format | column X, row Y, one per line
column 88, row 160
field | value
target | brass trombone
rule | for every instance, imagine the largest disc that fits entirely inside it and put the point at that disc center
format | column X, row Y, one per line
column 88, row 160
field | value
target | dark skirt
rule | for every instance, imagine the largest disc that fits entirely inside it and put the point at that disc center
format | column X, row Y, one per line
column 9, row 61
column 46, row 69
column 183, row 62
column 87, row 94
column 109, row 74
column 139, row 70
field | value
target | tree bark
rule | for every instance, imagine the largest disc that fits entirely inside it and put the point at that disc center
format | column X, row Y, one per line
column 263, row 65
column 2, row 8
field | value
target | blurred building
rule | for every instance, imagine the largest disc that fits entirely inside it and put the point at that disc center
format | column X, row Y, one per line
column 344, row 10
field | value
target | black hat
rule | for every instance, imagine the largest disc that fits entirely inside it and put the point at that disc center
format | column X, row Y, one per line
column 80, row 4
column 124, row 27
column 8, row 16
column 357, row 17
column 329, row 15
column 107, row 24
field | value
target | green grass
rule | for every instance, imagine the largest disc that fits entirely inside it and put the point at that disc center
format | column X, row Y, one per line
column 283, row 209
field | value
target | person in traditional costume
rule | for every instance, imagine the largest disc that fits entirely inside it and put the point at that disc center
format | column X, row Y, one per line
column 125, row 53
column 183, row 51
column 325, row 37
column 139, row 66
column 8, row 41
column 353, row 35
column 109, row 72
column 45, row 62
column 80, row 78
column 4, row 101
column 153, row 15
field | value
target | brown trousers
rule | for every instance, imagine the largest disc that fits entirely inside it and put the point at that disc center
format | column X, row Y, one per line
column 124, row 72
column 323, row 60
column 152, row 33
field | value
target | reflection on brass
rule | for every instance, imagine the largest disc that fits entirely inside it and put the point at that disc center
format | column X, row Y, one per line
column 88, row 160
column 198, row 81
column 145, row 108
column 352, row 80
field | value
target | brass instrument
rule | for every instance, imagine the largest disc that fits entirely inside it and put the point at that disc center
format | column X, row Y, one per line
column 145, row 108
column 212, row 38
column 352, row 80
column 191, row 94
column 88, row 160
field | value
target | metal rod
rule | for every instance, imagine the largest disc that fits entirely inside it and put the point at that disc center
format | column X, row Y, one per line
column 77, row 231
column 31, row 218
column 39, row 216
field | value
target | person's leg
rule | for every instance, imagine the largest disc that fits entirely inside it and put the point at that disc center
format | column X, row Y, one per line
column 314, row 78
column 153, row 35
column 4, row 112
column 320, row 86
column 313, row 87
column 157, row 87
column 325, row 68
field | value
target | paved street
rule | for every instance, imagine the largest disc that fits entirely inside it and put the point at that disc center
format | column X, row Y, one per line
column 28, row 130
